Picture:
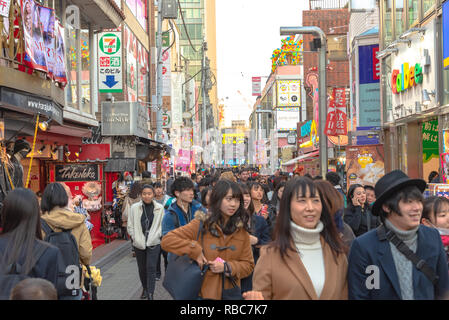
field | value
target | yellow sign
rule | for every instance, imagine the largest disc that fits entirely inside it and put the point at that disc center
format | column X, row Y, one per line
column 228, row 138
column 289, row 93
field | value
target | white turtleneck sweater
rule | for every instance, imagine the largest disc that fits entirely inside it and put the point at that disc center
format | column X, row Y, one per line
column 307, row 242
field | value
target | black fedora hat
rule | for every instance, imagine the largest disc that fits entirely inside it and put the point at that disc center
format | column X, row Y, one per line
column 391, row 183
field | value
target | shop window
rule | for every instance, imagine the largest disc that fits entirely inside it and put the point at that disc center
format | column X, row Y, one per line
column 400, row 15
column 387, row 22
column 413, row 12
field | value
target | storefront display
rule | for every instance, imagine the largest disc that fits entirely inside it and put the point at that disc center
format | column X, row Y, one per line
column 364, row 164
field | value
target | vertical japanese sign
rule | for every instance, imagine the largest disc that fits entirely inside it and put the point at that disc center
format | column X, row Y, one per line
column 340, row 111
column 256, row 86
column 166, row 66
column 143, row 70
column 131, row 64
column 4, row 8
column 176, row 98
column 110, row 62
column 430, row 140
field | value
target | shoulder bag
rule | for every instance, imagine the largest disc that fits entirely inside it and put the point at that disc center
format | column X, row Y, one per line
column 235, row 293
column 183, row 278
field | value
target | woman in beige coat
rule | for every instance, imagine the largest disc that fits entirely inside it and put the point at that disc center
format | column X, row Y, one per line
column 307, row 260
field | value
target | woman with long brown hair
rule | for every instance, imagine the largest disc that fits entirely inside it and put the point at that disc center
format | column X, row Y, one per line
column 306, row 260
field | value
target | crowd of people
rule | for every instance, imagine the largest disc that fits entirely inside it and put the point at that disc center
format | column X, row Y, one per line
column 272, row 237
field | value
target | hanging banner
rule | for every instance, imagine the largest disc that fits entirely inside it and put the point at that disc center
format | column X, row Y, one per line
column 340, row 111
column 4, row 8
column 364, row 164
column 59, row 68
column 47, row 17
column 131, row 64
column 142, row 74
column 445, row 24
column 445, row 167
column 33, row 38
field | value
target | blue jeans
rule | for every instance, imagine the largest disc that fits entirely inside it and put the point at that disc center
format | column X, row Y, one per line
column 146, row 264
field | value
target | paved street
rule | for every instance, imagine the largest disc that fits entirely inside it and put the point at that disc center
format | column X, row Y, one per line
column 121, row 280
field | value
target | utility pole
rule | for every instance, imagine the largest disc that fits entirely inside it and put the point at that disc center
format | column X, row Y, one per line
column 203, row 86
column 284, row 31
column 159, row 73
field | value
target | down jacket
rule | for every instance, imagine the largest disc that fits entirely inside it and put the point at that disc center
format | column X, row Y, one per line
column 183, row 241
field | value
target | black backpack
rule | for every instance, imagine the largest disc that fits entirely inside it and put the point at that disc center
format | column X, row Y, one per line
column 68, row 246
column 12, row 274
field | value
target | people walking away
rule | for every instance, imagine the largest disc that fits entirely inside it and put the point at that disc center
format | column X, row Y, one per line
column 335, row 180
column 306, row 260
column 61, row 227
column 34, row 289
column 370, row 194
column 402, row 259
column 358, row 212
column 333, row 200
column 435, row 214
column 145, row 228
column 225, row 244
column 259, row 233
column 22, row 252
column 181, row 211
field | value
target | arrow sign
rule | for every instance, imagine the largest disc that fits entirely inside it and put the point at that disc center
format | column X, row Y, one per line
column 110, row 81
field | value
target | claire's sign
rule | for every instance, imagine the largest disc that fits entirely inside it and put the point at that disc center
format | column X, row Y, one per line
column 406, row 78
column 76, row 172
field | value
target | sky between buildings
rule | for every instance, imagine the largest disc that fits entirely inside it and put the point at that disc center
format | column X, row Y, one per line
column 247, row 34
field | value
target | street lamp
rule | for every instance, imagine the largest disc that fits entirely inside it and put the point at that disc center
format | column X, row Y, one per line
column 285, row 31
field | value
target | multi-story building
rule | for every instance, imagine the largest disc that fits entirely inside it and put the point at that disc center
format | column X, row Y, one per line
column 414, row 100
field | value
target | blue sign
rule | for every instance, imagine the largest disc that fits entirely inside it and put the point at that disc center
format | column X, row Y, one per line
column 369, row 86
column 368, row 139
column 445, row 23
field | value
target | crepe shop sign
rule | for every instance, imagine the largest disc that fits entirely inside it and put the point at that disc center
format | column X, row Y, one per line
column 77, row 172
column 407, row 77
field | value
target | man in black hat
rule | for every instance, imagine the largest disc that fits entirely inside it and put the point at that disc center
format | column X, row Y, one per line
column 401, row 259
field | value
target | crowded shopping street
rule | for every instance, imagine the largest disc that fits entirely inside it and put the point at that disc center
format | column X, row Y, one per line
column 195, row 152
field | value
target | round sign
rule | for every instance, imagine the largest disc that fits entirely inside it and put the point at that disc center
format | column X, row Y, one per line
column 165, row 119
column 110, row 43
column 294, row 98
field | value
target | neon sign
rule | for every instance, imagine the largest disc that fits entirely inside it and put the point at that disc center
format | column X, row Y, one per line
column 406, row 78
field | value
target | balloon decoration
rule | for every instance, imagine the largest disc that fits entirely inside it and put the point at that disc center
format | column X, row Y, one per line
column 289, row 53
column 84, row 53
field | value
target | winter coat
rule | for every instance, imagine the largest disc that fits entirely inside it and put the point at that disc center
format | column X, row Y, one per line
column 288, row 279
column 135, row 226
column 62, row 218
column 127, row 208
column 170, row 222
column 369, row 250
column 259, row 229
column 360, row 220
column 183, row 241
column 47, row 265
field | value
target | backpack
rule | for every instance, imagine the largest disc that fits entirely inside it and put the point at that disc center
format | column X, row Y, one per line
column 66, row 243
column 13, row 274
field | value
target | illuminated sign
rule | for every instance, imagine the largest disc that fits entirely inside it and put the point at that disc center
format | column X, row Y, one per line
column 405, row 78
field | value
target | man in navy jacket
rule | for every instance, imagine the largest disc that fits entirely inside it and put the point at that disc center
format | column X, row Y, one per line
column 182, row 210
column 377, row 269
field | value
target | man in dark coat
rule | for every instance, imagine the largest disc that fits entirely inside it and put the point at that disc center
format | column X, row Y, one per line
column 378, row 269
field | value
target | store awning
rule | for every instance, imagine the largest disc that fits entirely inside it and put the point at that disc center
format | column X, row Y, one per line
column 301, row 158
column 120, row 165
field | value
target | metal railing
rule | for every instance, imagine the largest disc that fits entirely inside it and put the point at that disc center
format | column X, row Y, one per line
column 328, row 4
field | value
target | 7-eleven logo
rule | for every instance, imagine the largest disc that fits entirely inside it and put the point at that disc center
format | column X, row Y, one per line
column 110, row 43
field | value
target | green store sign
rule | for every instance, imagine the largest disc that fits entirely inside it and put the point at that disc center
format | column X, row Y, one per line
column 430, row 140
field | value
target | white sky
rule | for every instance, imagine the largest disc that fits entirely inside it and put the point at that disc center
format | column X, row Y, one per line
column 247, row 35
